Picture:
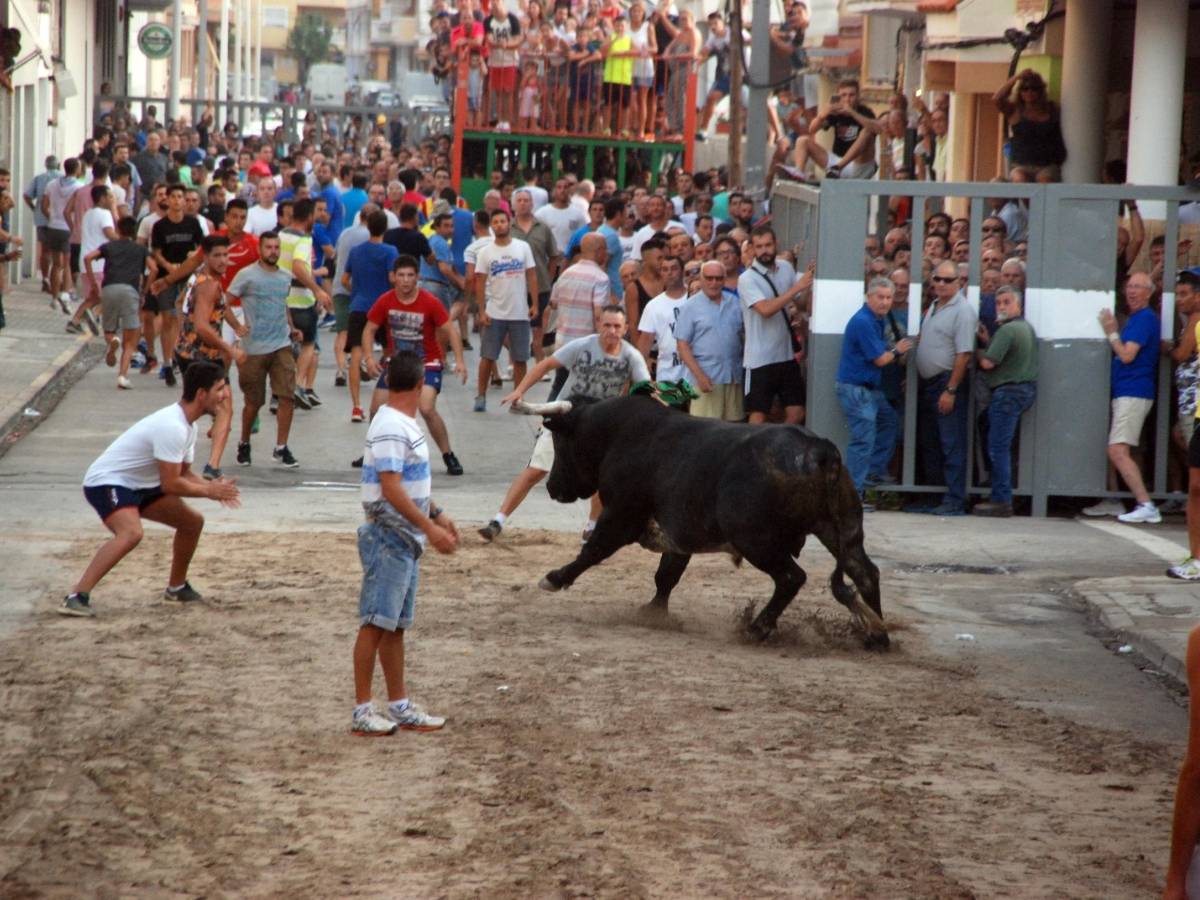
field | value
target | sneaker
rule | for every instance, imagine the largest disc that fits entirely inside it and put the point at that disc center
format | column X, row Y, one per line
column 73, row 328
column 77, row 604
column 701, row 136
column 64, row 303
column 453, row 466
column 283, row 456
column 467, row 345
column 137, row 360
column 169, row 375
column 89, row 318
column 490, row 531
column 947, row 509
column 211, row 473
column 185, row 594
column 992, row 510
column 480, row 404
column 339, row 380
column 114, row 347
column 357, row 414
column 833, row 172
column 123, row 383
column 301, row 399
column 356, row 463
column 1173, row 508
column 415, row 719
column 1105, row 508
column 142, row 347
column 149, row 364
column 1188, row 570
column 274, row 407
column 503, row 126
column 312, row 397
column 1142, row 514
column 372, row 724
column 243, row 453
column 327, row 321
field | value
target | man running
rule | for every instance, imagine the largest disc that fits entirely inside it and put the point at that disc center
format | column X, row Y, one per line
column 145, row 474
column 416, row 321
column 172, row 240
column 602, row 365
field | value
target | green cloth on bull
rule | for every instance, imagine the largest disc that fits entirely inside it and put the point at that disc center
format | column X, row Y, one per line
column 673, row 393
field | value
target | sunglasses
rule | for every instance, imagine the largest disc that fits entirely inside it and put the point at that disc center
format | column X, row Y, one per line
column 713, row 277
column 943, row 280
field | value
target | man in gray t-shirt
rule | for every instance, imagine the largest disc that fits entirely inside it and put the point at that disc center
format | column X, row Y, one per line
column 263, row 290
column 602, row 366
column 765, row 289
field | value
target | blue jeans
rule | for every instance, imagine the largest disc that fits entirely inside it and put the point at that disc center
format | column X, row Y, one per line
column 1004, row 418
column 872, row 423
column 942, row 440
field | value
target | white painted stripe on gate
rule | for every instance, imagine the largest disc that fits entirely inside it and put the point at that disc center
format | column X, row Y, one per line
column 1064, row 314
column 1164, row 548
column 835, row 300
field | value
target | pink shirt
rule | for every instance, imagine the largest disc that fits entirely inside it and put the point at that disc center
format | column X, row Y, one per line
column 579, row 292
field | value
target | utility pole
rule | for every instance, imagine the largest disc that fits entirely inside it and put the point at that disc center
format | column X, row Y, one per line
column 201, row 90
column 223, row 62
column 760, row 94
column 176, row 57
column 736, row 111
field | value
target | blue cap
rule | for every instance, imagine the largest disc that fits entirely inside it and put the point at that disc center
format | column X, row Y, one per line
column 195, row 157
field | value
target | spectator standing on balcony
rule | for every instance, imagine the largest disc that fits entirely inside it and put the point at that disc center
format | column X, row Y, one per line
column 1009, row 363
column 870, row 418
column 645, row 47
column 854, row 131
column 531, row 97
column 943, row 355
column 618, row 78
column 718, row 46
column 1036, row 145
column 934, row 130
column 503, row 38
column 1133, row 378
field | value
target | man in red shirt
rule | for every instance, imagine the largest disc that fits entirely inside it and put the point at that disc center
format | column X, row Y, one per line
column 414, row 320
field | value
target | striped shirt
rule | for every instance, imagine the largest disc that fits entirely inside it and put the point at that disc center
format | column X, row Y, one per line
column 579, row 292
column 396, row 443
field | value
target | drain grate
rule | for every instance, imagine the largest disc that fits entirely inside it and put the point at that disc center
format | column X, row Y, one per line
column 936, row 568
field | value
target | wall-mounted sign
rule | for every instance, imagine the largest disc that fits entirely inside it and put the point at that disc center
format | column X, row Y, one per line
column 154, row 40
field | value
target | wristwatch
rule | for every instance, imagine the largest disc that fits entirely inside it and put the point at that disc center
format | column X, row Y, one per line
column 951, row 390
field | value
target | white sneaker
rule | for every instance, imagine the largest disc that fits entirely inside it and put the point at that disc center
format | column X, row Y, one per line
column 123, row 383
column 1142, row 514
column 372, row 724
column 415, row 719
column 1105, row 508
column 1188, row 570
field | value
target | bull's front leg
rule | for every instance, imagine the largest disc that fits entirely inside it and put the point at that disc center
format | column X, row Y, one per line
column 613, row 531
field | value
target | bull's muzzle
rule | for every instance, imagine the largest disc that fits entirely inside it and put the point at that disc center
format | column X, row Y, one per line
column 557, row 408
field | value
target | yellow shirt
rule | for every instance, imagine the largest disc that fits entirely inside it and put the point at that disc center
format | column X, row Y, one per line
column 619, row 69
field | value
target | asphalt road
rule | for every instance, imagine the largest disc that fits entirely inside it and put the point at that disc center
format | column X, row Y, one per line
column 992, row 593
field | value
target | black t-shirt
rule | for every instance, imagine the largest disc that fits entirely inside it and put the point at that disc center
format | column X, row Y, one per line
column 845, row 129
column 175, row 240
column 124, row 262
column 408, row 241
column 215, row 213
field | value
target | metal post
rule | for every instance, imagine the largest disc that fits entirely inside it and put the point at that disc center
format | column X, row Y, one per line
column 736, row 111
column 760, row 75
column 239, row 36
column 200, row 92
column 247, row 42
column 258, row 36
column 176, row 55
column 223, row 62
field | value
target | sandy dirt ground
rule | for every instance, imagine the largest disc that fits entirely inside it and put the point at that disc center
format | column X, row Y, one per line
column 160, row 751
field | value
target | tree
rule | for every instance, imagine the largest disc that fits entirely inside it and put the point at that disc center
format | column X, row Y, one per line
column 308, row 41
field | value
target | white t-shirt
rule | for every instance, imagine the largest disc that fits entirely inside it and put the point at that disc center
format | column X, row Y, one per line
column 658, row 319
column 131, row 461
column 118, row 194
column 396, row 443
column 92, row 235
column 646, row 232
column 471, row 253
column 626, row 246
column 146, row 226
column 259, row 220
column 507, row 287
column 561, row 222
column 59, row 191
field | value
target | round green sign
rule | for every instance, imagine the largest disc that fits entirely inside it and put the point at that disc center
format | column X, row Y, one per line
column 154, row 40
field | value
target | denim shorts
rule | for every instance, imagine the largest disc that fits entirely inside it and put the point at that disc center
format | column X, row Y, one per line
column 390, row 574
column 519, row 333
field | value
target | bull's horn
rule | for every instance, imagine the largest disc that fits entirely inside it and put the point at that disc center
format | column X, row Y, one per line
column 557, row 408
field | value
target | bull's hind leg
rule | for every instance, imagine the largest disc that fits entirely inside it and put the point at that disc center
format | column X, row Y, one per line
column 788, row 578
column 852, row 560
column 613, row 531
column 670, row 570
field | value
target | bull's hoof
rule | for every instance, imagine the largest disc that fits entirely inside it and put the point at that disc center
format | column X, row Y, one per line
column 879, row 641
column 759, row 631
column 655, row 609
column 548, row 584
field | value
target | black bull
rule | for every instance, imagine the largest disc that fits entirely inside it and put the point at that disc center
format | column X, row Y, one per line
column 680, row 485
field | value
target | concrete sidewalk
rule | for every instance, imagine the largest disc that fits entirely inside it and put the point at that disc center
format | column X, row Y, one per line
column 38, row 360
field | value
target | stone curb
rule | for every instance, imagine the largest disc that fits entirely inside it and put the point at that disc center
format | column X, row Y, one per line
column 1112, row 614
column 14, row 423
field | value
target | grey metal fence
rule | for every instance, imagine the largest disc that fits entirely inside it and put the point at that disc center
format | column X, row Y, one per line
column 1070, row 276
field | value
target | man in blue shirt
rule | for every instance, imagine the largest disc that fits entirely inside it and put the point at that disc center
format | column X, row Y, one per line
column 353, row 199
column 1134, row 381
column 708, row 335
column 439, row 277
column 333, row 199
column 871, row 420
column 595, row 221
column 614, row 215
column 366, row 275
